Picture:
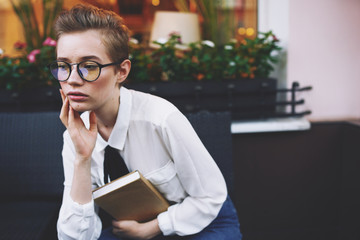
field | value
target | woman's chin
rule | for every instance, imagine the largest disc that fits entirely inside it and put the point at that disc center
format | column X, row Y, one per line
column 80, row 107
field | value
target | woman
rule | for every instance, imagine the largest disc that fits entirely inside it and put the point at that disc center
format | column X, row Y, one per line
column 150, row 134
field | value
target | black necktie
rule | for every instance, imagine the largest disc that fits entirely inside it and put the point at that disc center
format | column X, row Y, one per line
column 114, row 165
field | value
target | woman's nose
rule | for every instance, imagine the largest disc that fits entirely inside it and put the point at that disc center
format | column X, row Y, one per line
column 74, row 77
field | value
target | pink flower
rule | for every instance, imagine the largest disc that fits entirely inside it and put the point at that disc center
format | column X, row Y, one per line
column 275, row 39
column 49, row 42
column 19, row 45
column 32, row 55
column 176, row 34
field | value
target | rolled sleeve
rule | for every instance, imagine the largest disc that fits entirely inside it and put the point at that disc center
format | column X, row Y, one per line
column 165, row 224
column 78, row 221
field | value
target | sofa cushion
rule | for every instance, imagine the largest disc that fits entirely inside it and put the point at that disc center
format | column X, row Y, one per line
column 28, row 220
column 214, row 130
column 30, row 155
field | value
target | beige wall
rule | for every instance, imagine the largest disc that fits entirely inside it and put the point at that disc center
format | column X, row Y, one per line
column 324, row 52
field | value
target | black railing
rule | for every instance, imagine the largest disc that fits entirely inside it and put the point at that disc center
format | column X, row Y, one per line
column 266, row 107
column 250, row 103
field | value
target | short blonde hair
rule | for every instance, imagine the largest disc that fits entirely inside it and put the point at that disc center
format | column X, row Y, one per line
column 115, row 35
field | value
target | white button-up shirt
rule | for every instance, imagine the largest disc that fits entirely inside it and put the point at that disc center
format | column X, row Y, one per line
column 155, row 138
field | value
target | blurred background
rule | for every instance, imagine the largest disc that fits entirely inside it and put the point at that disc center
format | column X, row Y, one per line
column 320, row 41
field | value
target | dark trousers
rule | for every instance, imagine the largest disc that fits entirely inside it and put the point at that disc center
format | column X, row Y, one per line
column 224, row 227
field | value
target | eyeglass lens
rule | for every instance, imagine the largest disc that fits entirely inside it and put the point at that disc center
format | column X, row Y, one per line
column 88, row 70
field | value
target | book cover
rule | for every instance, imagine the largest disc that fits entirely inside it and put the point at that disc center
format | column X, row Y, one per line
column 131, row 197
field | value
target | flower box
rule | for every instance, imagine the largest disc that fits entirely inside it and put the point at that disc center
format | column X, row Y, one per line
column 30, row 100
column 244, row 98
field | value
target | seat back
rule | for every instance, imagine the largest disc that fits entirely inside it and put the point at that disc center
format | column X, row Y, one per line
column 30, row 155
column 214, row 130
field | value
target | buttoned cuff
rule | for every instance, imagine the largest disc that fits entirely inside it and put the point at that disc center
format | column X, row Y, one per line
column 165, row 224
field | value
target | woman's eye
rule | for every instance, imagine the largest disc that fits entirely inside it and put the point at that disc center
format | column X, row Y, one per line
column 62, row 66
column 90, row 66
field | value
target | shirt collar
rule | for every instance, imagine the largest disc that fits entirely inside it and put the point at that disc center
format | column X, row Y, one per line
column 118, row 134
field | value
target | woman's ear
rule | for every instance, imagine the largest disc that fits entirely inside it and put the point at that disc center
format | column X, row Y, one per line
column 123, row 71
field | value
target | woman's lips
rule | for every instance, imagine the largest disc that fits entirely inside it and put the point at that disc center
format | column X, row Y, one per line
column 77, row 96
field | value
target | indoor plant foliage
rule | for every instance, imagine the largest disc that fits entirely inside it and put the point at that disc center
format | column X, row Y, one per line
column 29, row 70
column 205, row 61
column 172, row 61
column 25, row 11
column 217, row 18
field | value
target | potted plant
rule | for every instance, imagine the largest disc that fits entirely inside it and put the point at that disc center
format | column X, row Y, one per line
column 25, row 84
column 203, row 76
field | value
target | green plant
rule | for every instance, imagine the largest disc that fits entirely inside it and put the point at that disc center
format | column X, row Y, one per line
column 28, row 70
column 34, row 35
column 172, row 61
column 217, row 18
column 204, row 60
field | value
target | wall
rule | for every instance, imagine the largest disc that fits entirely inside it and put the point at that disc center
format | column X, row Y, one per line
column 324, row 52
column 322, row 49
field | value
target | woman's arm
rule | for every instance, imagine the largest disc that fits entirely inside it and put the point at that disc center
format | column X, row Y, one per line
column 199, row 175
column 77, row 210
column 76, row 221
column 84, row 142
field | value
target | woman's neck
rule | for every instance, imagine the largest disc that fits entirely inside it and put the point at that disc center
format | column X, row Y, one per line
column 106, row 118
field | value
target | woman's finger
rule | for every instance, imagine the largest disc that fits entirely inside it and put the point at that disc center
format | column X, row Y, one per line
column 62, row 94
column 71, row 120
column 93, row 122
column 64, row 113
column 75, row 120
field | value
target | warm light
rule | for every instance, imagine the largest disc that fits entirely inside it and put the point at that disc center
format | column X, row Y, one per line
column 155, row 2
column 183, row 23
column 250, row 31
column 241, row 31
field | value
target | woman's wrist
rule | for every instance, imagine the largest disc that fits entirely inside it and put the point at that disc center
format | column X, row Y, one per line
column 81, row 191
column 136, row 230
column 82, row 161
column 152, row 229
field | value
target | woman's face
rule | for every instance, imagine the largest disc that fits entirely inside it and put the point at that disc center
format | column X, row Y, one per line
column 101, row 94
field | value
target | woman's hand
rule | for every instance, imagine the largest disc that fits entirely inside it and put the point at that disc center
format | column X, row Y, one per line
column 134, row 230
column 83, row 139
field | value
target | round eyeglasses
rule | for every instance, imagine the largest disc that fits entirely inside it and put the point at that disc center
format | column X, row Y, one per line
column 88, row 70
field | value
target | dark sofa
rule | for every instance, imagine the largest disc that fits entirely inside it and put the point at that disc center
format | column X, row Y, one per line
column 31, row 173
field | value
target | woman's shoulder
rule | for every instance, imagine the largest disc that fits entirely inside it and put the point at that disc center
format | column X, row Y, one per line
column 151, row 107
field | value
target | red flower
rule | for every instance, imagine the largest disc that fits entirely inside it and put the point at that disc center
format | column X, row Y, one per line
column 19, row 45
column 49, row 42
column 32, row 55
